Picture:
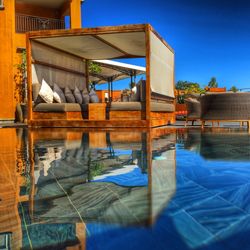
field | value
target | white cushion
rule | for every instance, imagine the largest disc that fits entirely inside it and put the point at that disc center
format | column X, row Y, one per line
column 78, row 95
column 58, row 94
column 46, row 93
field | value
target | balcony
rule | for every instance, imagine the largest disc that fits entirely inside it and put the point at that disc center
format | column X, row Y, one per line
column 25, row 23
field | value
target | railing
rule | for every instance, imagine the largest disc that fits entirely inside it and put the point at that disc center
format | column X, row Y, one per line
column 26, row 23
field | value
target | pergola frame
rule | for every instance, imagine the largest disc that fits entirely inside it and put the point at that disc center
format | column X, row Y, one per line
column 39, row 36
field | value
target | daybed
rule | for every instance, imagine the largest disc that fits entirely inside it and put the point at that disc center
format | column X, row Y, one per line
column 63, row 57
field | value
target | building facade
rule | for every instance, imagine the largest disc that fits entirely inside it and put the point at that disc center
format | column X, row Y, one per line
column 16, row 18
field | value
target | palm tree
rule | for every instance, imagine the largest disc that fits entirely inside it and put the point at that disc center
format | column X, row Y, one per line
column 213, row 83
column 233, row 89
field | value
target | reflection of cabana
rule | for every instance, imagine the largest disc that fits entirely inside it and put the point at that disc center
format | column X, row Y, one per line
column 143, row 194
column 62, row 56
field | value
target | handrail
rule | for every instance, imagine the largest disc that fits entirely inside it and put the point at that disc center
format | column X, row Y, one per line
column 25, row 23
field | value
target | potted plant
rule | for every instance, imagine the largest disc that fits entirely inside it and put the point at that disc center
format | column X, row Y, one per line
column 20, row 79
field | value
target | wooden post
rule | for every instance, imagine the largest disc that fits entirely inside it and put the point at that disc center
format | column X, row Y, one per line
column 148, row 83
column 87, row 74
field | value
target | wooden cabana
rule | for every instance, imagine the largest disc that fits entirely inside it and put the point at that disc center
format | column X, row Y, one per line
column 63, row 56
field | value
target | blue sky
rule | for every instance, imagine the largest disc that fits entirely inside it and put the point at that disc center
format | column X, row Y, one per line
column 210, row 37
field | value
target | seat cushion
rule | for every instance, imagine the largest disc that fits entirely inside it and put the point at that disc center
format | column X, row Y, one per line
column 135, row 106
column 125, row 106
column 162, row 107
column 60, row 107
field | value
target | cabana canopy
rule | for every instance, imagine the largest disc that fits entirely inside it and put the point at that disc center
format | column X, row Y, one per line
column 130, row 41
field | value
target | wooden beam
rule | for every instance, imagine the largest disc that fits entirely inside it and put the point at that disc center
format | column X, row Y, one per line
column 87, row 73
column 111, row 45
column 29, row 77
column 88, row 31
column 59, row 50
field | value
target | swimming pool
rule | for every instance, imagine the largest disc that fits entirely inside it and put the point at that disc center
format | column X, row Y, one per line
column 159, row 189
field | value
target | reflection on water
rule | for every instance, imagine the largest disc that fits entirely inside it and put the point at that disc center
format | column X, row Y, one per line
column 220, row 145
column 158, row 189
column 74, row 179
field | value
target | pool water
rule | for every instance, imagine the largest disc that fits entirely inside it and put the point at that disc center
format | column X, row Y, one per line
column 160, row 189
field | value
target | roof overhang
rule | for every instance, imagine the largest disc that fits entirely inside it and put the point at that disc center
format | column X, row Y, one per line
column 44, row 3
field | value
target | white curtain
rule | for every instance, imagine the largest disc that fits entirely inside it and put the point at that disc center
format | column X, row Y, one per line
column 161, row 67
column 53, row 75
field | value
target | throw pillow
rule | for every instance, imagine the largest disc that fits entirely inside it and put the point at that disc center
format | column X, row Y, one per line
column 85, row 96
column 78, row 95
column 135, row 96
column 93, row 96
column 69, row 96
column 58, row 94
column 46, row 93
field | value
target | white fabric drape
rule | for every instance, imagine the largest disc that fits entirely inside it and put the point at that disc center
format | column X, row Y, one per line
column 52, row 75
column 161, row 67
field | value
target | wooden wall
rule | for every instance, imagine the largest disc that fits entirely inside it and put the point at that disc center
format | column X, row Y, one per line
column 75, row 14
column 7, row 110
column 10, row 41
column 34, row 10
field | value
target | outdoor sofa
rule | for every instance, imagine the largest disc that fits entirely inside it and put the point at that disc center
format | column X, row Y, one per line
column 217, row 107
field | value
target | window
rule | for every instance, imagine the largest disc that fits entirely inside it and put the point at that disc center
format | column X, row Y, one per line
column 1, row 5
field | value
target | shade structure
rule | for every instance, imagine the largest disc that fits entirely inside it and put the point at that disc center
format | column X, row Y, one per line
column 63, row 57
column 114, row 71
column 128, row 41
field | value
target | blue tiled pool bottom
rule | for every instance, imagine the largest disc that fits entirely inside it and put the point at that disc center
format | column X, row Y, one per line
column 210, row 208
